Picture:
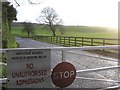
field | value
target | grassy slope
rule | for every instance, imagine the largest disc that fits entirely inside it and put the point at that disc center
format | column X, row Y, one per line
column 80, row 31
column 95, row 32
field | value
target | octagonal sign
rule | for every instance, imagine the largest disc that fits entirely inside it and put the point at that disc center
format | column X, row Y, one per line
column 63, row 74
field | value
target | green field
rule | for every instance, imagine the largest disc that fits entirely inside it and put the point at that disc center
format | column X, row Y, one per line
column 80, row 31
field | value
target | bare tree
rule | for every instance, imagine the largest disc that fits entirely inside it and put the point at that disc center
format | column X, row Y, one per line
column 50, row 19
column 28, row 28
column 33, row 2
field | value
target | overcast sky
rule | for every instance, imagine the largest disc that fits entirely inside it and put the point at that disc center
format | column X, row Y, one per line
column 75, row 12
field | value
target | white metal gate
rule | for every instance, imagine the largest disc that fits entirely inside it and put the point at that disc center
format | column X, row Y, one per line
column 69, row 49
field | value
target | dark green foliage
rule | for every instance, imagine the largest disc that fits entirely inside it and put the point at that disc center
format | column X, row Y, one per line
column 4, row 58
column 4, row 71
column 8, row 15
column 4, row 43
column 7, row 37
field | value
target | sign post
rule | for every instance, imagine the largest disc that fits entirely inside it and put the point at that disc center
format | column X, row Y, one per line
column 29, row 68
column 63, row 74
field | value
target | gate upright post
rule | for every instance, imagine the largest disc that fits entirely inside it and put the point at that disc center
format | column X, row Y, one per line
column 63, row 56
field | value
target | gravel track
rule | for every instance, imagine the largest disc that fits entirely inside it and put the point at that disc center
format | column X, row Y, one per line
column 81, row 60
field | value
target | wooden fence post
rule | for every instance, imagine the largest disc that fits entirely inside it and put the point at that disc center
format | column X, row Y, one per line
column 75, row 41
column 56, row 39
column 82, row 41
column 69, row 41
column 60, row 40
column 64, row 41
column 51, row 38
column 91, row 41
column 103, row 42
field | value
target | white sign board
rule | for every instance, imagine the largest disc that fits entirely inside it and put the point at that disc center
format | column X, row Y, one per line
column 29, row 68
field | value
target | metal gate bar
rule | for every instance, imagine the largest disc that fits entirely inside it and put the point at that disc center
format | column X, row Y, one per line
column 94, row 79
column 69, row 48
column 111, row 88
column 98, row 69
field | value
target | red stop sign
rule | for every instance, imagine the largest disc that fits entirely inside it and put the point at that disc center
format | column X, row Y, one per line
column 63, row 74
